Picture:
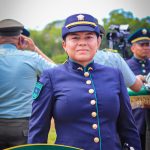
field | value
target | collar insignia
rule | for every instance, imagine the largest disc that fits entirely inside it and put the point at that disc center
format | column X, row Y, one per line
column 80, row 68
column 90, row 68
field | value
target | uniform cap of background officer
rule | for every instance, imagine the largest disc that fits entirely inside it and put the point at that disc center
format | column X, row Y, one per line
column 10, row 27
column 25, row 32
column 141, row 35
column 80, row 23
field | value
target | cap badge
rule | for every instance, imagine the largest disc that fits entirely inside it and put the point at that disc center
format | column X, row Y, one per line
column 80, row 17
column 144, row 31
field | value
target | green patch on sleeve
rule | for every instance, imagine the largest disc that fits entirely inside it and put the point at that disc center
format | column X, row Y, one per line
column 37, row 90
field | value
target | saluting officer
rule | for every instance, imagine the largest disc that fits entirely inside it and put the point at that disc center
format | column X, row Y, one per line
column 89, row 102
column 18, row 75
column 140, row 64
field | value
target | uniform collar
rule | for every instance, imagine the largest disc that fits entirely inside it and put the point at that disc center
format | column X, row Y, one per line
column 140, row 60
column 74, row 65
column 8, row 46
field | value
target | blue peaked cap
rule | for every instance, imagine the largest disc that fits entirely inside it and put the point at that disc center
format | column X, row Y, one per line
column 25, row 32
column 80, row 23
column 140, row 35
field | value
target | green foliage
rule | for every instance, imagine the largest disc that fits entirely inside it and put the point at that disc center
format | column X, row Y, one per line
column 59, row 58
column 120, row 16
column 49, row 39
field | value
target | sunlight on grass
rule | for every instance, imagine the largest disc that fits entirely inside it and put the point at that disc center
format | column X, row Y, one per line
column 52, row 134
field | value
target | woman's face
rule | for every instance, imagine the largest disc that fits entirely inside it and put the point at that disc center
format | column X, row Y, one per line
column 81, row 46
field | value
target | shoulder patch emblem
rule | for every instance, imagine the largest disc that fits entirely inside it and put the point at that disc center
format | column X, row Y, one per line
column 37, row 90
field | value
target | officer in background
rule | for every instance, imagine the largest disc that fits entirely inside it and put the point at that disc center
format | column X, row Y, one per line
column 18, row 75
column 140, row 64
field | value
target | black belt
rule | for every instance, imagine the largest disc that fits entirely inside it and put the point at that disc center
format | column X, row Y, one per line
column 14, row 120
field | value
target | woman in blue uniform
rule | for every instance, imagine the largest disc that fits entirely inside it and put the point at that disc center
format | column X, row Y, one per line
column 88, row 101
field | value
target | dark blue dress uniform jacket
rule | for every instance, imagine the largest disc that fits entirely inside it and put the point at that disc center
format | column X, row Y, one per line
column 90, row 107
column 139, row 67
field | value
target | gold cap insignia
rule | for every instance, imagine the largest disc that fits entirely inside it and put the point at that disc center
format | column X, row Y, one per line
column 80, row 17
column 144, row 31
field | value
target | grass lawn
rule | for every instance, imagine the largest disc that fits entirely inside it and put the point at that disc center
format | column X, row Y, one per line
column 52, row 133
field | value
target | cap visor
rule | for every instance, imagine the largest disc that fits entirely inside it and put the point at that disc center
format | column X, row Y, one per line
column 81, row 29
column 25, row 32
column 143, row 41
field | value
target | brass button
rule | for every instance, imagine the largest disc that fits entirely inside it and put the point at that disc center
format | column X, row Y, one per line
column 93, row 102
column 93, row 114
column 144, row 71
column 88, row 82
column 96, row 139
column 94, row 126
column 86, row 74
column 91, row 91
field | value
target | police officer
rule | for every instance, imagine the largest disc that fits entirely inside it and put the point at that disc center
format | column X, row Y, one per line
column 140, row 64
column 89, row 102
column 18, row 75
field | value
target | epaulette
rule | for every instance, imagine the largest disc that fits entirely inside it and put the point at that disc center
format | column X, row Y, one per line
column 65, row 61
column 111, row 50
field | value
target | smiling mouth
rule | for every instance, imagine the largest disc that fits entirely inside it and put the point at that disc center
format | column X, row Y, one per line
column 82, row 50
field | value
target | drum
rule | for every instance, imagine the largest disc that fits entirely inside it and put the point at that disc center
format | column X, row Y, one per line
column 139, row 99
